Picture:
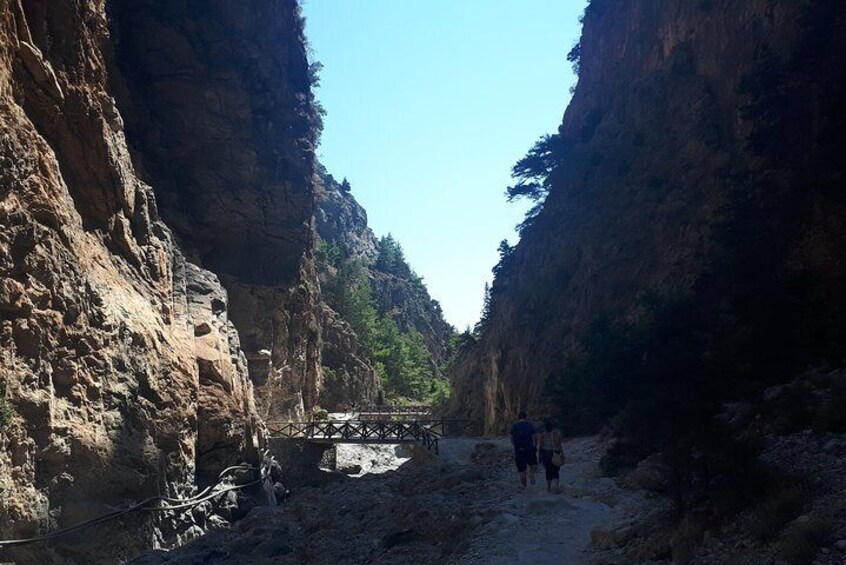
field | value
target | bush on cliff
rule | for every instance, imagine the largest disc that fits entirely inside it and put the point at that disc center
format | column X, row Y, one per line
column 534, row 174
column 659, row 368
column 391, row 260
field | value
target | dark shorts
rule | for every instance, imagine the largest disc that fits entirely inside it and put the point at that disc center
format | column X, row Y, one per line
column 552, row 472
column 525, row 456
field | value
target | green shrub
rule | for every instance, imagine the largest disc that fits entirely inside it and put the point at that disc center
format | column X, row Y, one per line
column 534, row 174
column 574, row 56
column 439, row 391
column 391, row 260
column 6, row 414
column 330, row 253
column 657, row 372
column 708, row 467
column 401, row 360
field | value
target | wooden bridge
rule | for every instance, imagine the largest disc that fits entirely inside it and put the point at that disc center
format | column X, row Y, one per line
column 427, row 432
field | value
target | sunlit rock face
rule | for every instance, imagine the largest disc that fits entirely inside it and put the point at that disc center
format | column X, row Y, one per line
column 348, row 376
column 704, row 157
column 219, row 116
column 120, row 354
column 341, row 221
column 339, row 218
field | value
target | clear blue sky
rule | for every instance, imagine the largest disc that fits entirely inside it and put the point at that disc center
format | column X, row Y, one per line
column 429, row 103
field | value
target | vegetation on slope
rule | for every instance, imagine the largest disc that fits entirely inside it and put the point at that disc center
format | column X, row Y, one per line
column 400, row 357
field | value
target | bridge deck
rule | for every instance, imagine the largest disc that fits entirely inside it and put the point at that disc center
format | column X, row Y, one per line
column 358, row 431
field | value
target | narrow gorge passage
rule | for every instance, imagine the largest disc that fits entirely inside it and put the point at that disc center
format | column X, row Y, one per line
column 225, row 224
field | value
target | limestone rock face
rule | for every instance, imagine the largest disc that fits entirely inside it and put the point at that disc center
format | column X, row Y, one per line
column 411, row 306
column 281, row 335
column 220, row 119
column 348, row 375
column 119, row 350
column 218, row 109
column 697, row 162
column 222, row 440
column 342, row 221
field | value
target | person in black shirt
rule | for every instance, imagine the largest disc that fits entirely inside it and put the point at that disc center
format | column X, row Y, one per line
column 525, row 447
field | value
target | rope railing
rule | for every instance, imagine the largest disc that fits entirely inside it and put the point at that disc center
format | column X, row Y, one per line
column 208, row 493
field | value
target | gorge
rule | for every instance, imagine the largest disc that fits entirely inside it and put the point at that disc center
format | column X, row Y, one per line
column 178, row 270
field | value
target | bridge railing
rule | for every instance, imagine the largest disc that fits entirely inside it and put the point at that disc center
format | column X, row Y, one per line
column 357, row 431
column 394, row 409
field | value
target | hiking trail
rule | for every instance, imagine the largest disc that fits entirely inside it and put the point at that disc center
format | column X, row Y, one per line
column 464, row 506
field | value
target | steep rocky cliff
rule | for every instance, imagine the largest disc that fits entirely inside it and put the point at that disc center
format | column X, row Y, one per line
column 700, row 163
column 221, row 120
column 349, row 376
column 120, row 354
column 340, row 219
column 396, row 292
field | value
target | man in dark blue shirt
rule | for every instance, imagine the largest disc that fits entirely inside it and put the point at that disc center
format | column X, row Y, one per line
column 523, row 440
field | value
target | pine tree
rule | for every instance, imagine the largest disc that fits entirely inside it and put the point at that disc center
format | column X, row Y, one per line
column 486, row 312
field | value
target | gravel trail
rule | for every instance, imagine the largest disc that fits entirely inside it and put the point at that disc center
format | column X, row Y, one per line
column 410, row 506
column 534, row 526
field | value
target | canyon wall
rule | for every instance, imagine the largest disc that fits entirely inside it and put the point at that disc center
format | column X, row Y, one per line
column 349, row 376
column 341, row 220
column 394, row 291
column 221, row 120
column 700, row 157
column 157, row 287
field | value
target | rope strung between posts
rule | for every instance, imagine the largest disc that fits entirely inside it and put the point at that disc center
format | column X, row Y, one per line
column 205, row 495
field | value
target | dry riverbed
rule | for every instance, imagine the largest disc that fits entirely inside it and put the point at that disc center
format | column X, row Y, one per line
column 463, row 506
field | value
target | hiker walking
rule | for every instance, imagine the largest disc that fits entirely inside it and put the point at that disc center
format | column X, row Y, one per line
column 523, row 440
column 551, row 455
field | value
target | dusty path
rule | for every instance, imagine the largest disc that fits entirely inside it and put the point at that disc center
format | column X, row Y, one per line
column 534, row 526
column 464, row 506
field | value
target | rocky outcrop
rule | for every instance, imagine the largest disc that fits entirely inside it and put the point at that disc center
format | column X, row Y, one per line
column 408, row 302
column 280, row 330
column 700, row 158
column 348, row 376
column 222, row 371
column 340, row 219
column 119, row 351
